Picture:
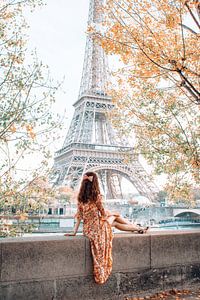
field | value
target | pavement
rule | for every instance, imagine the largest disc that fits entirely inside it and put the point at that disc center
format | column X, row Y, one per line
column 172, row 295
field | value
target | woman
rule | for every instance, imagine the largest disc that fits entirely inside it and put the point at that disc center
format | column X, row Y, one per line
column 97, row 226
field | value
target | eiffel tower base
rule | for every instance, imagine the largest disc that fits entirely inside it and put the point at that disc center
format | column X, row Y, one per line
column 109, row 162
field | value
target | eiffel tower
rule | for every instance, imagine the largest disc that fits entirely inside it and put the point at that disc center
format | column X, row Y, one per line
column 91, row 143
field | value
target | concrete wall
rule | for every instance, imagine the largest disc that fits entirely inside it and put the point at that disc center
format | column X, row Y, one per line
column 50, row 268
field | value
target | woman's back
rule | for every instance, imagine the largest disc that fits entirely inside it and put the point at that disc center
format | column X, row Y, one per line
column 91, row 213
column 90, row 210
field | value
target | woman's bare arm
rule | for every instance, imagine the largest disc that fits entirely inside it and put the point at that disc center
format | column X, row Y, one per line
column 74, row 232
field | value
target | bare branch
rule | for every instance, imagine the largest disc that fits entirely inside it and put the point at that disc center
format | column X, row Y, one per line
column 192, row 15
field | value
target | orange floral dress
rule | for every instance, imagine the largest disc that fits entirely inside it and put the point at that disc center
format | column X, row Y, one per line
column 99, row 231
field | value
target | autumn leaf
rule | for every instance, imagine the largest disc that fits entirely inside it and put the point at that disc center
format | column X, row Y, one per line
column 156, row 91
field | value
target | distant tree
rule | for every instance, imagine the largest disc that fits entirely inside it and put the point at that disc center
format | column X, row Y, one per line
column 162, row 197
column 156, row 91
column 65, row 194
column 197, row 194
column 27, row 123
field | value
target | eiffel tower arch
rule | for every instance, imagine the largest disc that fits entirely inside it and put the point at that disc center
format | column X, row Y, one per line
column 91, row 143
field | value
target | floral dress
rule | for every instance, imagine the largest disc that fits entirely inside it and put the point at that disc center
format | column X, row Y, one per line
column 98, row 229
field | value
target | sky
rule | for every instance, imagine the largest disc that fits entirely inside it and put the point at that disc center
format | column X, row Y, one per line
column 58, row 33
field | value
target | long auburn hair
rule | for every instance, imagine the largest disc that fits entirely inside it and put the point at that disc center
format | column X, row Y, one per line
column 89, row 190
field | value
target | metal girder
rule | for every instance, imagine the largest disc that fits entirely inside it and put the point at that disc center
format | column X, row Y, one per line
column 91, row 143
column 111, row 162
column 95, row 67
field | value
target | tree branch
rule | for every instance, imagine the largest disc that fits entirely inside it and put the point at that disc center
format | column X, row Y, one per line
column 192, row 15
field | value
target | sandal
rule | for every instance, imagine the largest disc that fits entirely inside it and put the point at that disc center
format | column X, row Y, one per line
column 144, row 230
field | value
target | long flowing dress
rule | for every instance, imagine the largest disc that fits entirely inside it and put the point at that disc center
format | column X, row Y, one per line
column 97, row 228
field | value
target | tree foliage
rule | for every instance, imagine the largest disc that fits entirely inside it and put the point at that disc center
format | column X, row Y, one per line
column 27, row 123
column 156, row 91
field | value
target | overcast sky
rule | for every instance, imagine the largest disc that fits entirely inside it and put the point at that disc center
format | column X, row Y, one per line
column 58, row 33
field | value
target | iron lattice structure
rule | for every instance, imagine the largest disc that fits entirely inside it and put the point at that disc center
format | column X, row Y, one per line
column 91, row 143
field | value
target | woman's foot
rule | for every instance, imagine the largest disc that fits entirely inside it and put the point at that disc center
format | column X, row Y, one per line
column 143, row 230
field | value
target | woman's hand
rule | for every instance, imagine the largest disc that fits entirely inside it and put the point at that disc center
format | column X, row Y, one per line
column 70, row 234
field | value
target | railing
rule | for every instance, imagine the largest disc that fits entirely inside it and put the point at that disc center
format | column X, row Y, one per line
column 111, row 148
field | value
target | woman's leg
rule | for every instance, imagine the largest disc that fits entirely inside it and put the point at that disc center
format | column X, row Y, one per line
column 122, row 220
column 119, row 219
column 129, row 227
column 125, row 227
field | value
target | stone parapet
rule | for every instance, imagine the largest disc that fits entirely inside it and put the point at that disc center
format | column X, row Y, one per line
column 59, row 268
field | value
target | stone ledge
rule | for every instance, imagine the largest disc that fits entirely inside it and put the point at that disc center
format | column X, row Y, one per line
column 119, row 285
column 62, row 266
column 175, row 249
